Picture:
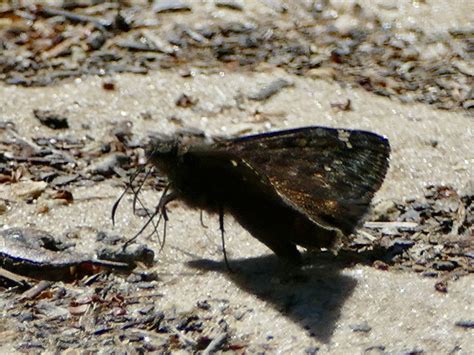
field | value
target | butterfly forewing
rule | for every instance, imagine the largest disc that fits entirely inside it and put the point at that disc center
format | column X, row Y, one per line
column 328, row 175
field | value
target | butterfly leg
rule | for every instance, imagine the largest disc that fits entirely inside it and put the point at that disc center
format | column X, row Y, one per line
column 159, row 210
column 284, row 250
column 201, row 218
column 221, row 227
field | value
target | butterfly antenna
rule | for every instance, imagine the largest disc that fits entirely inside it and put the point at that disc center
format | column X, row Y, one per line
column 127, row 187
column 137, row 192
column 155, row 230
column 127, row 243
column 159, row 210
column 151, row 216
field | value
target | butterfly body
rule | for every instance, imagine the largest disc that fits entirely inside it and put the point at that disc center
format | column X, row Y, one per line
column 304, row 186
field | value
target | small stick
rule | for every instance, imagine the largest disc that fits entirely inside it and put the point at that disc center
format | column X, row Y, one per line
column 36, row 290
column 215, row 344
column 377, row 225
column 17, row 279
column 101, row 24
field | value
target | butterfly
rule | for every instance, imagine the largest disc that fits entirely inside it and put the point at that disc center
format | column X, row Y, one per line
column 307, row 186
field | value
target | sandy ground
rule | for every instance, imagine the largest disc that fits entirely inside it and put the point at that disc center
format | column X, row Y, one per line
column 404, row 311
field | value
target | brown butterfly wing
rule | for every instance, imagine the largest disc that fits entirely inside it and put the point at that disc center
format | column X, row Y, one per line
column 328, row 175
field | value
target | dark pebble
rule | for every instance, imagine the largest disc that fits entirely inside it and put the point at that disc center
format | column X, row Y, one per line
column 430, row 274
column 444, row 265
column 468, row 324
column 96, row 40
column 441, row 286
column 132, row 254
column 147, row 309
column 30, row 345
column 204, row 305
column 375, row 349
column 121, row 24
column 229, row 4
column 468, row 104
column 26, row 317
column 312, row 350
column 185, row 101
column 51, row 119
column 146, row 285
column 415, row 351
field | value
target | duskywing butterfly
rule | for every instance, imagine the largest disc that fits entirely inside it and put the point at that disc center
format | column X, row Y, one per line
column 306, row 186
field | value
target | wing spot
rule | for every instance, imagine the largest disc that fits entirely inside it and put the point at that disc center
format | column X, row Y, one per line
column 234, row 163
column 343, row 135
column 301, row 142
column 327, row 168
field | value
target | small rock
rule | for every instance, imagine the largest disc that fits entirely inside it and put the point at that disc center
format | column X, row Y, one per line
column 435, row 51
column 106, row 165
column 361, row 327
column 464, row 67
column 230, row 4
column 312, row 350
column 468, row 104
column 185, row 72
column 415, row 351
column 203, row 305
column 385, row 211
column 120, row 23
column 462, row 31
column 132, row 254
column 441, row 286
column 3, row 207
column 51, row 119
column 399, row 245
column 148, row 309
column 270, row 90
column 375, row 349
column 444, row 265
column 380, row 265
column 185, row 101
column 108, row 85
column 28, row 190
column 47, row 309
column 342, row 106
column 64, row 179
column 96, row 40
column 170, row 6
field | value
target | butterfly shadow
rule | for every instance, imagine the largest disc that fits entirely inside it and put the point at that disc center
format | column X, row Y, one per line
column 312, row 296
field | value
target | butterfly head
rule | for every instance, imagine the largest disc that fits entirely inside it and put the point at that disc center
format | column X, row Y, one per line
column 162, row 151
column 165, row 151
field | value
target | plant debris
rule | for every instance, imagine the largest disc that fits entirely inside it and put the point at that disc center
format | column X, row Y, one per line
column 39, row 255
column 43, row 44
